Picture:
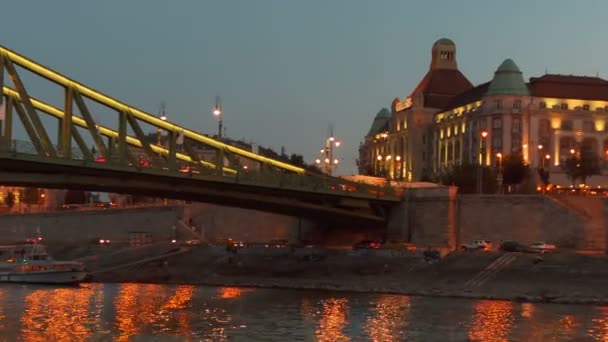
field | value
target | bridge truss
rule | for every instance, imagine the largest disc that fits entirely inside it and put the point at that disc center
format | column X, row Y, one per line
column 127, row 146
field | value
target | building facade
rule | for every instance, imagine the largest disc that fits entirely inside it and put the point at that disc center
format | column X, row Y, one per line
column 546, row 120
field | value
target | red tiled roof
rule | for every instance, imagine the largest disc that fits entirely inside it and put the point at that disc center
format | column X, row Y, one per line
column 439, row 87
column 569, row 87
column 471, row 95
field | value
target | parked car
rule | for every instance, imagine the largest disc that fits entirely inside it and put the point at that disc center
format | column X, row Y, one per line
column 477, row 245
column 400, row 245
column 367, row 244
column 514, row 246
column 276, row 244
column 542, row 247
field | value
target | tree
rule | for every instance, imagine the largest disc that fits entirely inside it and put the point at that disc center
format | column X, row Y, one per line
column 465, row 178
column 10, row 199
column 514, row 169
column 582, row 166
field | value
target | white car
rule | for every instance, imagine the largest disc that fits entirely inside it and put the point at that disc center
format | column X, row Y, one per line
column 542, row 247
column 477, row 245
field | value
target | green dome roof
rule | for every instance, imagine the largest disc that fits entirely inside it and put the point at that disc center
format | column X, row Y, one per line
column 444, row 41
column 380, row 121
column 508, row 80
column 383, row 113
column 508, row 66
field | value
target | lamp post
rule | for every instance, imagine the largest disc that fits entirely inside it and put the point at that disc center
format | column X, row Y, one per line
column 163, row 117
column 219, row 114
column 499, row 177
column 482, row 152
column 328, row 160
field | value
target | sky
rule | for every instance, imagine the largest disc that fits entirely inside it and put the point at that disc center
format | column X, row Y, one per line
column 287, row 69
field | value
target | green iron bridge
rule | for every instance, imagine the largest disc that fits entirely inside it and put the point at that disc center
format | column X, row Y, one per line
column 124, row 160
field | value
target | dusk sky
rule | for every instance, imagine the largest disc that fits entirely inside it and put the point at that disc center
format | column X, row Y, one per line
column 287, row 69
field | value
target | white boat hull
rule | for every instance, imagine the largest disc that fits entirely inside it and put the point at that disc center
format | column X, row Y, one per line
column 43, row 277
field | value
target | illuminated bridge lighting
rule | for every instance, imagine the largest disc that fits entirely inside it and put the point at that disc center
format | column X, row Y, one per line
column 137, row 113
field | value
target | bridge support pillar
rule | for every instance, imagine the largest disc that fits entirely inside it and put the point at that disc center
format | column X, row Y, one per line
column 426, row 217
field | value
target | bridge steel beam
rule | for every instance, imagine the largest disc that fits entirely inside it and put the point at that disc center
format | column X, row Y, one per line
column 44, row 107
column 29, row 128
column 41, row 134
column 31, row 172
column 2, row 101
column 8, row 120
column 65, row 128
column 91, row 124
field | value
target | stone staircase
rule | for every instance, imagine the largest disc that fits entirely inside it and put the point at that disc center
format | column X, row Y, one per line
column 490, row 271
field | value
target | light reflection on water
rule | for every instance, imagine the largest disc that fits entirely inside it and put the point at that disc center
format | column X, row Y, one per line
column 123, row 312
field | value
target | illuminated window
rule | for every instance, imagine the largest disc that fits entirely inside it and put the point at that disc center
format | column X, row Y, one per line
column 456, row 130
column 564, row 106
column 586, row 107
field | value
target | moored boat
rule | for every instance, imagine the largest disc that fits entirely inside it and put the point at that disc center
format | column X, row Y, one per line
column 30, row 263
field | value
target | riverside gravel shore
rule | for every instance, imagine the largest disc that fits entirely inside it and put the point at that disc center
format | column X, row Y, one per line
column 554, row 278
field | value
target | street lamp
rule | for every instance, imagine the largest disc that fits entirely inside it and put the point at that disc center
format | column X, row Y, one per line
column 219, row 114
column 482, row 152
column 163, row 117
column 329, row 162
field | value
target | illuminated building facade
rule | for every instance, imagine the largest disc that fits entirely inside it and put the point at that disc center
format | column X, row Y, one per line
column 399, row 145
column 441, row 123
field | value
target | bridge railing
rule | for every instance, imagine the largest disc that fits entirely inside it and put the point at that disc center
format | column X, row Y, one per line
column 269, row 178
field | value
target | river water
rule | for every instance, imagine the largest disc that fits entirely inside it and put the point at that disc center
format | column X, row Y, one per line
column 145, row 312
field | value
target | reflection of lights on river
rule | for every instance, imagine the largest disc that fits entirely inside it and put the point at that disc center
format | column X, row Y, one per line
column 599, row 331
column 492, row 321
column 389, row 319
column 232, row 292
column 58, row 315
column 527, row 310
column 333, row 320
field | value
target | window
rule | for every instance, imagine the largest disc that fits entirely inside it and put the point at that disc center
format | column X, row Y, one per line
column 586, row 107
column 516, row 143
column 456, row 130
column 424, row 136
column 497, row 104
column 496, row 142
column 543, row 104
column 564, row 106
column 566, row 125
column 544, row 127
column 497, row 123
column 588, row 126
column 517, row 104
column 516, row 124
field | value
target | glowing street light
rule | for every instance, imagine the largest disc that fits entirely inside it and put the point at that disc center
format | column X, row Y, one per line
column 482, row 154
column 217, row 112
column 327, row 151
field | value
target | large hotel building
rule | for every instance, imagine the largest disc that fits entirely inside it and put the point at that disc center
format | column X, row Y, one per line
column 441, row 122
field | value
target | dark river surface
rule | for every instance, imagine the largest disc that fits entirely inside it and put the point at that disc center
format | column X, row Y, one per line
column 144, row 312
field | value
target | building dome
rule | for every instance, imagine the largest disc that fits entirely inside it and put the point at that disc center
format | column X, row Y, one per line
column 508, row 80
column 380, row 122
column 444, row 41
